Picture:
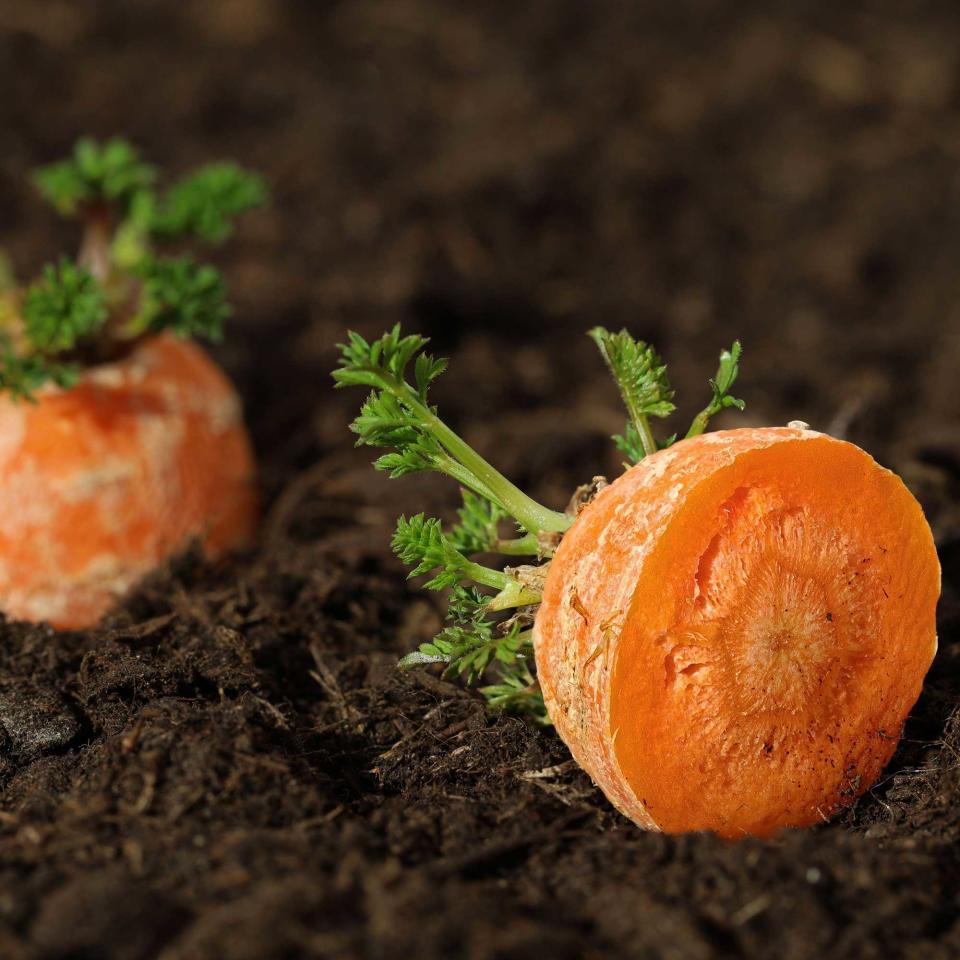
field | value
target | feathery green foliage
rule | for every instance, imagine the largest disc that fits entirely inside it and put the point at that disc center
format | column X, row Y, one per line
column 64, row 307
column 205, row 203
column 518, row 692
column 642, row 378
column 720, row 385
column 420, row 542
column 478, row 643
column 21, row 376
column 110, row 172
column 120, row 289
column 182, row 296
column 471, row 644
column 478, row 529
column 398, row 415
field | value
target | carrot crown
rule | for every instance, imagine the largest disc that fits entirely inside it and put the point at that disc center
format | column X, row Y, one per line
column 121, row 287
column 491, row 610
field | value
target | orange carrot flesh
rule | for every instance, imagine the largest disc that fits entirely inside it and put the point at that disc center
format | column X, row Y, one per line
column 732, row 633
column 102, row 482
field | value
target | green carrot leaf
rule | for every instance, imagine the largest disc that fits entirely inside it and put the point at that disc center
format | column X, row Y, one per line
column 108, row 172
column 642, row 379
column 421, row 543
column 182, row 296
column 205, row 203
column 478, row 529
column 518, row 692
column 21, row 376
column 472, row 643
column 381, row 363
column 64, row 307
column 720, row 385
column 399, row 415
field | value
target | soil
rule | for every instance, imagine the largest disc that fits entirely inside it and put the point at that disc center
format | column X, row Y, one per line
column 230, row 766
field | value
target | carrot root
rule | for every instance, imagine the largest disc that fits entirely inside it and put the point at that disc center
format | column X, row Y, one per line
column 100, row 483
column 733, row 632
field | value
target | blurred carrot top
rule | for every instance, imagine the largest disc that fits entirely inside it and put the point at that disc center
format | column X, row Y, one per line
column 119, row 288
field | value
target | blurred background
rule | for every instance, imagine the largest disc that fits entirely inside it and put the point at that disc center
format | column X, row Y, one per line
column 504, row 175
column 500, row 175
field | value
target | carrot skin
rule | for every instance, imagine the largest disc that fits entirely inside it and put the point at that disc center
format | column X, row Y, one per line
column 102, row 482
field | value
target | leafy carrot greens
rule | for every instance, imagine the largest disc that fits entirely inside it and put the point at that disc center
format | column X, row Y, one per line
column 490, row 610
column 120, row 288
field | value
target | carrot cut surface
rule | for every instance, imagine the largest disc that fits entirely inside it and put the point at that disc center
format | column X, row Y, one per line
column 101, row 482
column 732, row 633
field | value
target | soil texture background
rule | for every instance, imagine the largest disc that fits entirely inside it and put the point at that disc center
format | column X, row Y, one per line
column 230, row 767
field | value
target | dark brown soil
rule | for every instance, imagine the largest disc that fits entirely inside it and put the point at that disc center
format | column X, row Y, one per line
column 230, row 767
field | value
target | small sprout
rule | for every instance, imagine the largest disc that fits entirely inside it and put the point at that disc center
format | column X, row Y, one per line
column 477, row 531
column 721, row 386
column 642, row 379
column 63, row 308
column 487, row 635
column 110, row 172
column 518, row 692
column 420, row 542
column 205, row 203
column 22, row 376
column 472, row 644
column 184, row 297
column 119, row 289
column 398, row 415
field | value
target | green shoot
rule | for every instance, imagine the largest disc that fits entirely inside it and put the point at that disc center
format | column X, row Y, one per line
column 721, row 386
column 119, row 289
column 518, row 692
column 398, row 415
column 479, row 530
column 205, row 203
column 472, row 644
column 643, row 383
column 108, row 173
column 642, row 379
column 421, row 543
column 63, row 308
column 184, row 297
column 22, row 376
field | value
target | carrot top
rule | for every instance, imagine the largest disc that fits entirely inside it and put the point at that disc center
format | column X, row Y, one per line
column 492, row 629
column 120, row 287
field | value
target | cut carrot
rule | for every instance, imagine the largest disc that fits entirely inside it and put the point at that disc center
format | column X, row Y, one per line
column 101, row 482
column 732, row 634
column 729, row 637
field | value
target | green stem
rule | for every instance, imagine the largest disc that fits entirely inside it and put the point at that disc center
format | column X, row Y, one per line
column 465, row 478
column 520, row 547
column 532, row 516
column 514, row 594
column 700, row 422
column 489, row 578
column 646, row 434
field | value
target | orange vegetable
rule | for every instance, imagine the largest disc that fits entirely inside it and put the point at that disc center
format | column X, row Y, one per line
column 101, row 482
column 733, row 632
